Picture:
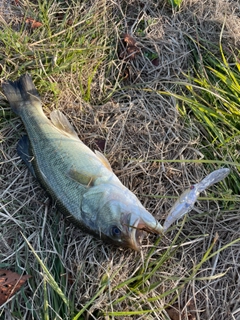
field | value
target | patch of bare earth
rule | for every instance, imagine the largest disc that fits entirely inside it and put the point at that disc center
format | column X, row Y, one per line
column 136, row 126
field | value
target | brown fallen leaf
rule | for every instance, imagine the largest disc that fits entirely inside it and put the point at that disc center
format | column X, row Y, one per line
column 34, row 24
column 176, row 314
column 100, row 143
column 130, row 49
column 129, row 39
column 156, row 62
column 69, row 22
column 191, row 310
column 173, row 312
column 10, row 283
column 126, row 74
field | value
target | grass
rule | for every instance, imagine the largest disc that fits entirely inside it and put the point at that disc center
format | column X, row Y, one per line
column 134, row 286
column 63, row 44
column 213, row 97
column 156, row 152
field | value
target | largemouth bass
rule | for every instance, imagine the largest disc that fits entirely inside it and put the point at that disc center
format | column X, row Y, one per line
column 80, row 180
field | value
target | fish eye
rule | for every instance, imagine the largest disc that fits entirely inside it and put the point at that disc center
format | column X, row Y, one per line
column 116, row 232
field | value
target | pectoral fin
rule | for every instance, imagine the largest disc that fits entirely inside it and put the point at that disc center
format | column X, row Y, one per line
column 61, row 122
column 81, row 177
column 23, row 150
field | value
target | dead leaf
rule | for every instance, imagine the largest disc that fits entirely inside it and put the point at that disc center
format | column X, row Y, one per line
column 100, row 143
column 10, row 283
column 131, row 49
column 129, row 39
column 126, row 74
column 173, row 312
column 183, row 314
column 34, row 24
column 191, row 308
column 156, row 62
column 16, row 2
column 69, row 22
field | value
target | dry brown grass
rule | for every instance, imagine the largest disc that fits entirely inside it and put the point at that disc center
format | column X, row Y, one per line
column 137, row 126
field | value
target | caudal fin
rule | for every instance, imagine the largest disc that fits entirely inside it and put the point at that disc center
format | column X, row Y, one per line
column 20, row 92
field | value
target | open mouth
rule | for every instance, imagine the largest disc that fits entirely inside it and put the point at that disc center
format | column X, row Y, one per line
column 137, row 234
column 138, row 225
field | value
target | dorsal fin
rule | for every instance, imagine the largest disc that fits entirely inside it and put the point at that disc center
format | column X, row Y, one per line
column 104, row 160
column 61, row 122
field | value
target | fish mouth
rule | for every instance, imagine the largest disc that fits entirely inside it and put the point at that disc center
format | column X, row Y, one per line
column 137, row 234
column 138, row 228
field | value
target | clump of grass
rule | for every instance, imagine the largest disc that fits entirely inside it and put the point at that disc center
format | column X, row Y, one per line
column 212, row 99
column 139, row 295
column 66, row 43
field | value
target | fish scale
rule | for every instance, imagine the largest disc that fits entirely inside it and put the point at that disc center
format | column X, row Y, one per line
column 66, row 192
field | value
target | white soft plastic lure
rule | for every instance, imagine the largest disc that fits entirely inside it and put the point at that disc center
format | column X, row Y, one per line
column 186, row 201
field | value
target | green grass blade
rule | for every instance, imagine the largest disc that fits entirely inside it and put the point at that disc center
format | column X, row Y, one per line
column 49, row 278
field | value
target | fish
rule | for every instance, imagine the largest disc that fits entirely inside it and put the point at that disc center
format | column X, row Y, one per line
column 80, row 180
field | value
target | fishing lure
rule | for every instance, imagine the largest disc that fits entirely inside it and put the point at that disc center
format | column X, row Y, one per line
column 186, row 201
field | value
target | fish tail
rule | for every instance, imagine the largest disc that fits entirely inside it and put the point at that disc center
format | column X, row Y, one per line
column 21, row 92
